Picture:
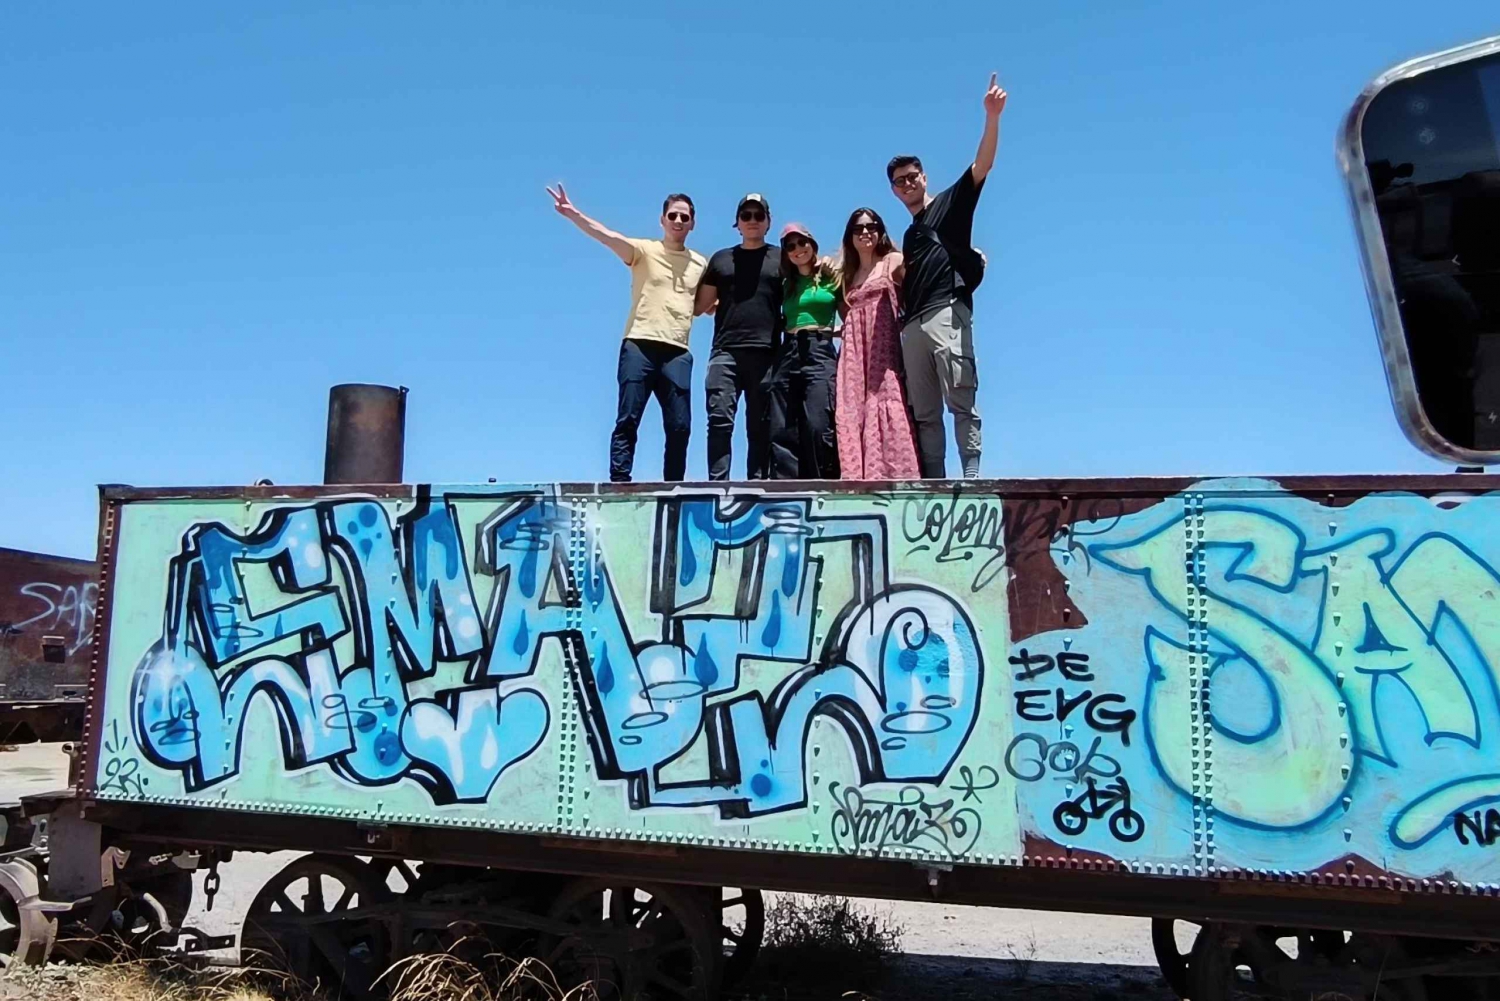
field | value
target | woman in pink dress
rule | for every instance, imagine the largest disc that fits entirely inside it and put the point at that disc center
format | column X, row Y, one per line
column 875, row 431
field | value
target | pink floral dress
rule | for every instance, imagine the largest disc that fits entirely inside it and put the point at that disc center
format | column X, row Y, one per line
column 875, row 433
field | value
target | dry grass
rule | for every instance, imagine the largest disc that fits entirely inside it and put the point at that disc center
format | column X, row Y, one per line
column 139, row 981
column 445, row 976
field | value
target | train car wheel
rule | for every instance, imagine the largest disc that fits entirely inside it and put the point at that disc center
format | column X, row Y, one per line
column 635, row 943
column 1215, row 969
column 26, row 934
column 1240, row 962
column 1170, row 958
column 294, row 924
column 743, row 920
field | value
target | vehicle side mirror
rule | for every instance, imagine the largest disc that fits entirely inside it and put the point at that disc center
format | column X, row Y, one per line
column 1420, row 152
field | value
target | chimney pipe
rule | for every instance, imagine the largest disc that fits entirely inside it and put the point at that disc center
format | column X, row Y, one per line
column 366, row 434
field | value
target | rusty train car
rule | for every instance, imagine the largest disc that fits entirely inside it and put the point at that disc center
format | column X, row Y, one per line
column 594, row 722
column 1266, row 706
column 46, row 633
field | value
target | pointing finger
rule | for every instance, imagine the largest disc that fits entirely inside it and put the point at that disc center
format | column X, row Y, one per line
column 994, row 79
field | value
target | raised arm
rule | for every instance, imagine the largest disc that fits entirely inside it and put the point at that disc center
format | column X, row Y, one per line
column 994, row 104
column 614, row 241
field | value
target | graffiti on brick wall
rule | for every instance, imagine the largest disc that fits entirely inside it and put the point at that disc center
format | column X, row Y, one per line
column 900, row 669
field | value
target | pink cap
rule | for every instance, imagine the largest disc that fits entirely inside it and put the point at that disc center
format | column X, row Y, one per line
column 800, row 230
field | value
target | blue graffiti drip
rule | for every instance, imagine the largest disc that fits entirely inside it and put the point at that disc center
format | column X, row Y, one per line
column 771, row 635
column 523, row 637
column 689, row 568
column 368, row 515
column 527, row 583
column 604, row 677
column 704, row 668
column 790, row 571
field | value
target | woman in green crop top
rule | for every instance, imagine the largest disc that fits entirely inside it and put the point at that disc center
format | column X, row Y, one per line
column 803, row 443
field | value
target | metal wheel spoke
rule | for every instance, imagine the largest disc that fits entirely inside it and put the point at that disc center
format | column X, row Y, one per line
column 287, row 906
column 314, row 897
column 652, row 914
column 343, row 904
column 729, row 902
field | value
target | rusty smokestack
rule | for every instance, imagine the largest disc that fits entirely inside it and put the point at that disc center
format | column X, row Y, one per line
column 366, row 434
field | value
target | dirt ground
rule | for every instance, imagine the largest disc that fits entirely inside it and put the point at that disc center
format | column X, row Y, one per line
column 948, row 951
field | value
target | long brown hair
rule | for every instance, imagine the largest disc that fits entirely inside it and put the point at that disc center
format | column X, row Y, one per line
column 883, row 245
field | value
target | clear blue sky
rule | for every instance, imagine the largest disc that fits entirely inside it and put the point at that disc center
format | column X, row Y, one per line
column 211, row 213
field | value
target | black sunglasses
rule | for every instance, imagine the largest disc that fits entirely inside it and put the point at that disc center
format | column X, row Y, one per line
column 796, row 243
column 905, row 180
column 679, row 217
column 752, row 215
column 868, row 227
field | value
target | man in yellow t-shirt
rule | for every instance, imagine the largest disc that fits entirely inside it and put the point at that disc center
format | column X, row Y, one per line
column 654, row 358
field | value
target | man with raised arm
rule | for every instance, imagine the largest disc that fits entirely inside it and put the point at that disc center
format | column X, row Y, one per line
column 942, row 270
column 654, row 358
column 742, row 288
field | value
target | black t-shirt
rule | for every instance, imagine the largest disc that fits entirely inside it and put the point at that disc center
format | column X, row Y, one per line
column 749, row 284
column 931, row 281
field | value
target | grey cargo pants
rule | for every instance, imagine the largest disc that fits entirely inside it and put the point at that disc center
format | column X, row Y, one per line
column 937, row 349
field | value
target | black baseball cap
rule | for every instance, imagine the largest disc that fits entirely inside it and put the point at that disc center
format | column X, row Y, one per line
column 756, row 197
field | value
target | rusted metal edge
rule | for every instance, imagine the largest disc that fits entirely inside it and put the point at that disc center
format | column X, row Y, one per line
column 93, row 723
column 1042, row 883
column 1306, row 485
column 81, row 564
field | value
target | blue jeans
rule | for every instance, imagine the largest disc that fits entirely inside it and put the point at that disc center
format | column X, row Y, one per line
column 650, row 368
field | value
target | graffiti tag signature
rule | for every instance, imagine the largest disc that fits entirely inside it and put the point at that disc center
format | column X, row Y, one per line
column 863, row 824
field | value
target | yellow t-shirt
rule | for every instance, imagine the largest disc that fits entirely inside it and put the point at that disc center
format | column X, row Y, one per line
column 663, row 284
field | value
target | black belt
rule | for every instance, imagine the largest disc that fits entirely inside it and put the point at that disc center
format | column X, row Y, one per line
column 812, row 332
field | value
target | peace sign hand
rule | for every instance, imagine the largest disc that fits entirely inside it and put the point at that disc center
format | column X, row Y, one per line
column 561, row 202
column 994, row 98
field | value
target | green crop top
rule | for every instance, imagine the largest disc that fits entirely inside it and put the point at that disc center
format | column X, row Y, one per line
column 810, row 303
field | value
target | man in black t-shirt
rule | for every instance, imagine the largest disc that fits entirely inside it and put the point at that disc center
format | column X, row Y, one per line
column 742, row 288
column 941, row 269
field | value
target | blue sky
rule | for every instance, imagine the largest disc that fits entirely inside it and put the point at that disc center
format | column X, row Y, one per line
column 210, row 214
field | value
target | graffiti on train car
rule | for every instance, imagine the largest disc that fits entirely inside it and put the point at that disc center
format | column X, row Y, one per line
column 64, row 609
column 1234, row 676
column 1348, row 683
column 900, row 669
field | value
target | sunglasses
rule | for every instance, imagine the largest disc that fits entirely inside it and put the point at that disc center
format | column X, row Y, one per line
column 796, row 243
column 752, row 215
column 905, row 180
column 868, row 227
column 679, row 217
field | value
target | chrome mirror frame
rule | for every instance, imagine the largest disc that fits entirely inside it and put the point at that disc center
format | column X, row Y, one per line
column 1379, row 283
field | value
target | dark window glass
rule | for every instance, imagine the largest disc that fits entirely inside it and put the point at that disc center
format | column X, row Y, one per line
column 1430, row 148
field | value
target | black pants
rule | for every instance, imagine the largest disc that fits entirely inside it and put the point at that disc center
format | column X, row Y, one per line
column 647, row 368
column 804, row 445
column 732, row 371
